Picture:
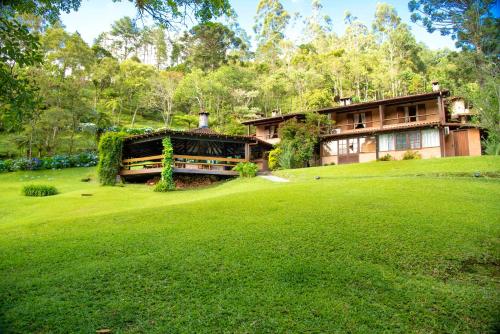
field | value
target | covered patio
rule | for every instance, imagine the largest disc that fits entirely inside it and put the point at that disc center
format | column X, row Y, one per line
column 195, row 152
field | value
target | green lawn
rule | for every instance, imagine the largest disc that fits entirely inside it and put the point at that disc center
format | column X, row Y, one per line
column 394, row 247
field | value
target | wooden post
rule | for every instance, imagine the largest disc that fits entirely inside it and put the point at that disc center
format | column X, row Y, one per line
column 381, row 115
column 247, row 152
column 441, row 110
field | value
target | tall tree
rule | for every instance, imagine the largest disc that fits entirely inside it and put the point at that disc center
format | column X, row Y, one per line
column 471, row 22
column 207, row 45
column 271, row 21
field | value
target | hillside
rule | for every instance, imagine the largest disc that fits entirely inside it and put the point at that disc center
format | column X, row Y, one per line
column 400, row 246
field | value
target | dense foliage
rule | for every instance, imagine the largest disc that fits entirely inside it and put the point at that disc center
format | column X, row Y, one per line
column 85, row 159
column 39, row 190
column 167, row 174
column 273, row 159
column 65, row 93
column 110, row 157
column 298, row 140
column 246, row 169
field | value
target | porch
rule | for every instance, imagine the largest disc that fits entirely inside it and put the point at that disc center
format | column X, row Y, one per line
column 204, row 152
column 188, row 164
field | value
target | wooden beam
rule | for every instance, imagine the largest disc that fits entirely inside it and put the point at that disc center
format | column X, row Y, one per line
column 381, row 113
column 441, row 110
column 153, row 157
column 247, row 152
column 197, row 157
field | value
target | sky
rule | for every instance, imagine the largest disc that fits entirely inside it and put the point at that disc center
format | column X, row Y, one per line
column 96, row 16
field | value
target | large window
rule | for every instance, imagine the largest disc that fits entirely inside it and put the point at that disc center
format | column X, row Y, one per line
column 386, row 142
column 330, row 148
column 408, row 140
column 430, row 138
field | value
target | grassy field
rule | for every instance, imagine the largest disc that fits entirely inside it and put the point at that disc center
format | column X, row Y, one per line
column 396, row 247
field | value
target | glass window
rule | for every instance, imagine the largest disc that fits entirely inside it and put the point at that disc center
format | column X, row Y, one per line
column 386, row 142
column 353, row 145
column 414, row 139
column 330, row 147
column 401, row 142
column 430, row 138
column 343, row 146
column 367, row 144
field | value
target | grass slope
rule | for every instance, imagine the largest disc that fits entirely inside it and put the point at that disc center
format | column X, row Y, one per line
column 403, row 247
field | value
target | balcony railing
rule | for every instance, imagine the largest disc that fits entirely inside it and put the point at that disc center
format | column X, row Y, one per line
column 154, row 163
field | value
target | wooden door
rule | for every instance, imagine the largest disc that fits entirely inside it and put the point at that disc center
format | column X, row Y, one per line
column 348, row 151
column 461, row 141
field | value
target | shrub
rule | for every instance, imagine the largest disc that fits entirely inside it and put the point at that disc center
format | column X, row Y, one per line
column 273, row 159
column 246, row 169
column 411, row 155
column 167, row 174
column 386, row 157
column 85, row 159
column 6, row 165
column 110, row 157
column 39, row 190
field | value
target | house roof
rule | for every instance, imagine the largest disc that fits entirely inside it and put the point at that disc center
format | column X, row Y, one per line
column 195, row 134
column 280, row 118
column 352, row 107
column 394, row 100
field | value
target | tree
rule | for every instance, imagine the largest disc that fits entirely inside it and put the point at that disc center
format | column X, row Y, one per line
column 471, row 22
column 161, row 95
column 271, row 21
column 207, row 45
column 126, row 37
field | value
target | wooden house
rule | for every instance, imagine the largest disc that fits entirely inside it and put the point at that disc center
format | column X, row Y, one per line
column 432, row 124
column 199, row 151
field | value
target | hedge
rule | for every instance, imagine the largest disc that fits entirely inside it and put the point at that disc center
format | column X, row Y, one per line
column 110, row 157
column 167, row 174
column 85, row 159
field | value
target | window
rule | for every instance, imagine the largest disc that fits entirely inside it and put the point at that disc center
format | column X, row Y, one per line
column 271, row 131
column 401, row 141
column 411, row 114
column 414, row 139
column 353, row 145
column 330, row 147
column 367, row 144
column 343, row 146
column 386, row 142
column 430, row 138
column 408, row 140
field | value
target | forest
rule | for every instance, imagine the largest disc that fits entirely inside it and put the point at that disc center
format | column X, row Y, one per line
column 59, row 94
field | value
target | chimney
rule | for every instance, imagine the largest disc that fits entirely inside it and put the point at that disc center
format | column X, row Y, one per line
column 435, row 86
column 203, row 122
column 345, row 101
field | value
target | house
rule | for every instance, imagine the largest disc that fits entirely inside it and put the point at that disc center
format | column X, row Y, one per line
column 199, row 151
column 433, row 124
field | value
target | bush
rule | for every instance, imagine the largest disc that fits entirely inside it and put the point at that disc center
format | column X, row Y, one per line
column 39, row 190
column 246, row 169
column 411, row 155
column 110, row 157
column 86, row 159
column 6, row 165
column 273, row 159
column 386, row 157
column 167, row 174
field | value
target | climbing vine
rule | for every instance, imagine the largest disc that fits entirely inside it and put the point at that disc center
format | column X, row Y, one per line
column 110, row 157
column 167, row 174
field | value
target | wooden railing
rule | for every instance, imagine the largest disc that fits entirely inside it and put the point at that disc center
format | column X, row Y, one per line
column 183, row 161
